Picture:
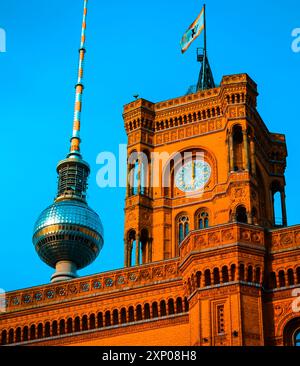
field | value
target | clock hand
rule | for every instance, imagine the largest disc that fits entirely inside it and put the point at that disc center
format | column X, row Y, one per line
column 194, row 170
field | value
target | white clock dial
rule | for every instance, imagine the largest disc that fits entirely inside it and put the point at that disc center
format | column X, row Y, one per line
column 193, row 176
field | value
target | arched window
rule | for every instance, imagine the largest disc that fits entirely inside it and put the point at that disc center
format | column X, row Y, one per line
column 40, row 331
column 77, row 324
column 203, row 220
column 277, row 209
column 32, row 332
column 216, row 276
column 241, row 215
column 131, row 314
column 225, row 274
column 198, row 279
column 18, row 335
column 257, row 275
column 92, row 321
column 237, row 134
column 123, row 316
column 3, row 337
column 84, row 322
column 291, row 278
column 163, row 308
column 100, row 320
column 183, row 228
column 69, row 325
column 297, row 338
column 132, row 247
column 291, row 333
column 186, row 305
column 146, row 311
column 107, row 319
column 281, row 276
column 250, row 274
column 155, row 310
column 145, row 247
column 207, row 276
column 242, row 272
column 115, row 317
column 138, row 173
column 179, row 308
column 171, row 307
column 11, row 336
column 298, row 275
column 278, row 201
column 25, row 334
column 139, row 313
column 232, row 272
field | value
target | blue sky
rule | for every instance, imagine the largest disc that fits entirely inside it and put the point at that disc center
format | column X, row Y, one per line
column 133, row 47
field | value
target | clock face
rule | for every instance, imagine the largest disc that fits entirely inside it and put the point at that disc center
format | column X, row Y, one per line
column 193, row 176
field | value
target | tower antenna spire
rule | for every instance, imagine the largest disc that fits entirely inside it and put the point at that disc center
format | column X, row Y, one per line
column 206, row 79
column 75, row 139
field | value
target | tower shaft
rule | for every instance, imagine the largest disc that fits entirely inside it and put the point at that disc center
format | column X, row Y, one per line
column 75, row 140
column 73, row 172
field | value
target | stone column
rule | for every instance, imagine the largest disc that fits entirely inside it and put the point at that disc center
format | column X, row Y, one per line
column 231, row 153
column 150, row 240
column 130, row 248
column 238, row 273
column 278, row 285
column 139, row 177
column 203, row 285
column 221, row 276
column 149, row 178
column 233, row 217
column 246, row 151
column 283, row 208
column 252, row 154
column 249, row 218
column 272, row 207
column 175, row 306
column 158, row 310
column 126, row 264
column 128, row 182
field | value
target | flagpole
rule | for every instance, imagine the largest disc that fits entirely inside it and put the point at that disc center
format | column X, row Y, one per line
column 204, row 7
column 204, row 49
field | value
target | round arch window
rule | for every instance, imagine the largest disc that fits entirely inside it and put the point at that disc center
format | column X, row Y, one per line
column 297, row 338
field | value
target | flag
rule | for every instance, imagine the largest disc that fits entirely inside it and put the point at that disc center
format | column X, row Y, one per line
column 193, row 32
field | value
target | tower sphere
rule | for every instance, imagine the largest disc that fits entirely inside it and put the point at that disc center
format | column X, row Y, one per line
column 68, row 231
